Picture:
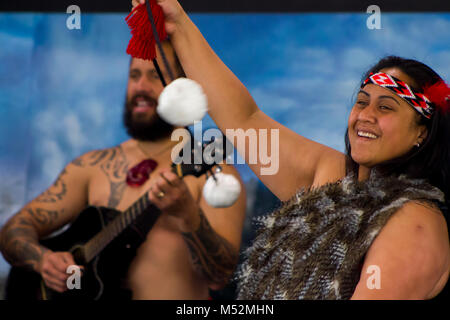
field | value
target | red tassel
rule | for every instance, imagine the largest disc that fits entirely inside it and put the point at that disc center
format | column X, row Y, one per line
column 142, row 42
column 439, row 94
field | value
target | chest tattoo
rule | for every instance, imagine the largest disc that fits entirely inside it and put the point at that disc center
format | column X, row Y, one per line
column 115, row 166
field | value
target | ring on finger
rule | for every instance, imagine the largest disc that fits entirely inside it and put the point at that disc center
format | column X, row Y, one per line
column 160, row 194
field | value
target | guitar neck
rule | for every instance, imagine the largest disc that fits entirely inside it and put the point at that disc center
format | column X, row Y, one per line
column 122, row 221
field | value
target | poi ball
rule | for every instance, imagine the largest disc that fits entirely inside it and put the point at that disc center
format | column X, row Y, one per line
column 222, row 193
column 182, row 102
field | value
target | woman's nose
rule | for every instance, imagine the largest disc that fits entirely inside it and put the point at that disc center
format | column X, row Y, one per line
column 368, row 113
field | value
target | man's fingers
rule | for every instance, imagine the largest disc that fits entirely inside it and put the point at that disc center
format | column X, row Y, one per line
column 158, row 194
column 165, row 179
column 55, row 280
column 68, row 258
column 58, row 261
column 55, row 270
column 170, row 177
column 160, row 186
column 52, row 273
column 155, row 196
column 56, row 285
column 61, row 261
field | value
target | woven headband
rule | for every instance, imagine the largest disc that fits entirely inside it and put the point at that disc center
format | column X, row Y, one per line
column 417, row 100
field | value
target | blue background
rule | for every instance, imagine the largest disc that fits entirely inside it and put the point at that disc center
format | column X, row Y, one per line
column 62, row 91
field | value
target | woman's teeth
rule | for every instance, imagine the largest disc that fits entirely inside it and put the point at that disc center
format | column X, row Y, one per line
column 367, row 135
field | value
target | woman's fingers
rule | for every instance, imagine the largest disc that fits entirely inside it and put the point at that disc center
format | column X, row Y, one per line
column 135, row 3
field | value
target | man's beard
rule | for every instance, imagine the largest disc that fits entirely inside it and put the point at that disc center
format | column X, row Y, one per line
column 152, row 129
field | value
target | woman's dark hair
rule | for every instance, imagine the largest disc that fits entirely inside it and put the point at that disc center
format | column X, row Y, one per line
column 431, row 160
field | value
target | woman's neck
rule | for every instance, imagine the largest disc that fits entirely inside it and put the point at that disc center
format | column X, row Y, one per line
column 363, row 173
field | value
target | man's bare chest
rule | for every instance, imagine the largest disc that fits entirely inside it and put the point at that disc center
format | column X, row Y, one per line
column 110, row 189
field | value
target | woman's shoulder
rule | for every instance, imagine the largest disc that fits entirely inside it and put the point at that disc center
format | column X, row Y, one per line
column 412, row 250
column 425, row 216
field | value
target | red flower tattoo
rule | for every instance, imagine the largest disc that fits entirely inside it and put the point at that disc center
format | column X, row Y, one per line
column 137, row 175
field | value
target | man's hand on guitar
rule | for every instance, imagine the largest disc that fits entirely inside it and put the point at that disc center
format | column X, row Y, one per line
column 171, row 195
column 53, row 269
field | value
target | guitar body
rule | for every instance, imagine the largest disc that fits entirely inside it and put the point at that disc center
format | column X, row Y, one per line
column 103, row 277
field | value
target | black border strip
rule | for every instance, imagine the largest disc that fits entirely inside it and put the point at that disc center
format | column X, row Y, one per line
column 233, row 6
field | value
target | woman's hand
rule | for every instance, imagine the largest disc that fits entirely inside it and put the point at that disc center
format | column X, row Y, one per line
column 135, row 3
column 173, row 12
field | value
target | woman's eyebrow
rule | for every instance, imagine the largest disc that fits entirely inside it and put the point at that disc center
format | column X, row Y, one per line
column 382, row 97
column 362, row 91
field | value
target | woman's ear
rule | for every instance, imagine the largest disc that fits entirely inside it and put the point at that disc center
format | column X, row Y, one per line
column 423, row 133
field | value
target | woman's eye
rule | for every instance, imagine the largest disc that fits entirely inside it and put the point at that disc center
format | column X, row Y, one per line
column 385, row 108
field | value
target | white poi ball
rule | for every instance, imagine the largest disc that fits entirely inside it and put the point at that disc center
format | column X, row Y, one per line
column 222, row 193
column 182, row 102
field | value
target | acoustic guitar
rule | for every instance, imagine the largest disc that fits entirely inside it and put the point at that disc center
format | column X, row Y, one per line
column 104, row 241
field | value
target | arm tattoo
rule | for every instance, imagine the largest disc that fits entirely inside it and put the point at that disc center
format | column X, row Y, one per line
column 115, row 168
column 43, row 217
column 210, row 252
column 19, row 239
column 57, row 192
column 19, row 244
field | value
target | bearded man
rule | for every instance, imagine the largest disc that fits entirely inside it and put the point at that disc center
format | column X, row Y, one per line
column 191, row 248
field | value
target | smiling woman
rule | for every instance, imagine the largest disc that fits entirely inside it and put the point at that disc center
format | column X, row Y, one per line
column 388, row 212
column 380, row 127
column 410, row 140
column 380, row 205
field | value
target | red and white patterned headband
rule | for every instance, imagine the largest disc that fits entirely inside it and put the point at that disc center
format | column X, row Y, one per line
column 418, row 101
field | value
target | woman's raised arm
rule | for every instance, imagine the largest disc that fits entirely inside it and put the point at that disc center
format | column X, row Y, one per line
column 293, row 161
